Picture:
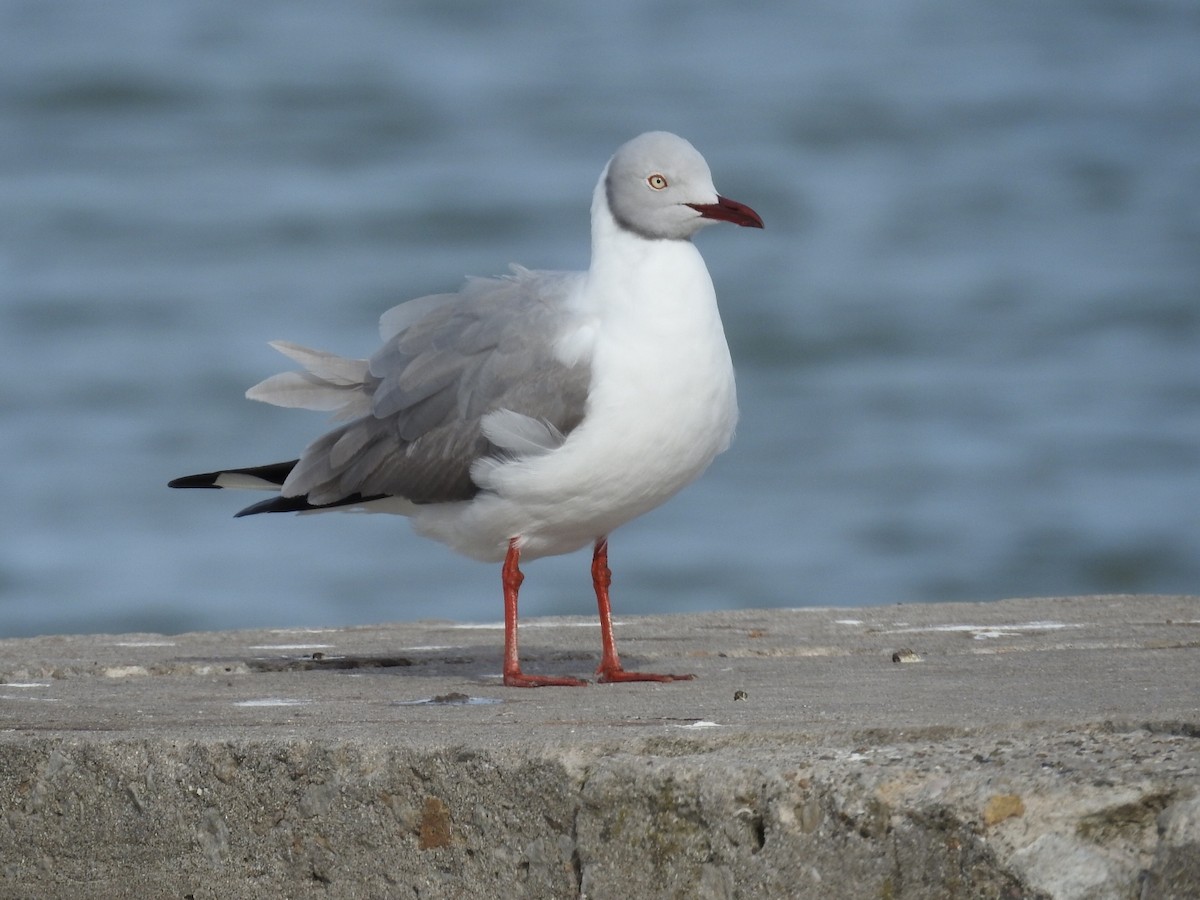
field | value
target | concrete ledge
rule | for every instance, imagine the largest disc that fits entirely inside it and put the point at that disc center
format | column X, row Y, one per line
column 1030, row 748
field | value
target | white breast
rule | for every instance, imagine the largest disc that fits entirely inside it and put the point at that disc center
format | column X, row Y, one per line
column 661, row 407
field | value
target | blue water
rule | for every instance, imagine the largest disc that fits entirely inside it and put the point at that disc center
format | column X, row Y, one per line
column 968, row 341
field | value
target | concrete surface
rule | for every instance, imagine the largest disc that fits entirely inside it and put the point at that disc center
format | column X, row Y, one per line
column 1027, row 748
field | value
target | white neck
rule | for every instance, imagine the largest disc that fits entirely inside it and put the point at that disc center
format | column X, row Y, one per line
column 656, row 277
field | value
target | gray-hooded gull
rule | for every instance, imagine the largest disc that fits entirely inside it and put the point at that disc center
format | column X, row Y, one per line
column 532, row 414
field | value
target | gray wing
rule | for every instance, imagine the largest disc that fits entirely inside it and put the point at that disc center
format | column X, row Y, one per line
column 452, row 360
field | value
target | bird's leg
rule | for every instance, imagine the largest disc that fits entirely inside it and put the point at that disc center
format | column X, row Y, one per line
column 513, row 676
column 610, row 665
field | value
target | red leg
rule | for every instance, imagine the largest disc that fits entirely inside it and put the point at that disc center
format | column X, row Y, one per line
column 513, row 676
column 610, row 665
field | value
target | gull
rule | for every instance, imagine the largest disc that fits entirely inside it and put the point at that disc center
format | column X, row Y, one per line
column 532, row 414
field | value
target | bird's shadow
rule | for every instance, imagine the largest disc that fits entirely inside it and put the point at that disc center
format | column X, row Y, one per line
column 484, row 666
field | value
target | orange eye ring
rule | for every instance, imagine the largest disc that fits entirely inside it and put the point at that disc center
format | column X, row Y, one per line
column 657, row 182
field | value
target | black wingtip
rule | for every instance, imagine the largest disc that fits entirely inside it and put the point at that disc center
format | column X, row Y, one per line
column 206, row 480
column 273, row 474
column 275, row 504
column 301, row 504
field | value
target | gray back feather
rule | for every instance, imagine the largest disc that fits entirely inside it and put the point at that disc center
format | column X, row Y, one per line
column 447, row 363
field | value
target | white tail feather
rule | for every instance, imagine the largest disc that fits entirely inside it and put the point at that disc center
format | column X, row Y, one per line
column 325, row 365
column 331, row 384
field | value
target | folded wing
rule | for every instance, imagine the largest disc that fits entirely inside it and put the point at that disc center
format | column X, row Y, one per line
column 460, row 377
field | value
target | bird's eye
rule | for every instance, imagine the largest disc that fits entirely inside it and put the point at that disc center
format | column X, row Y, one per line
column 656, row 181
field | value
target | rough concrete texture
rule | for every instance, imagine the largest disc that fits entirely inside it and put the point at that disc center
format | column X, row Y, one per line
column 1027, row 748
